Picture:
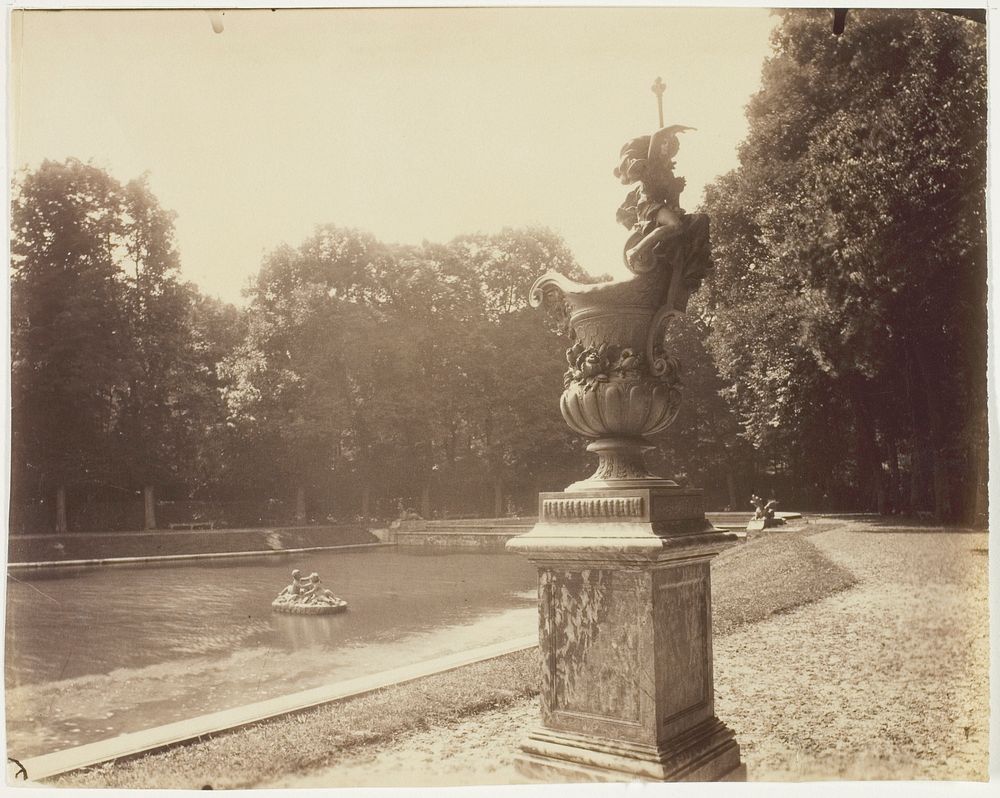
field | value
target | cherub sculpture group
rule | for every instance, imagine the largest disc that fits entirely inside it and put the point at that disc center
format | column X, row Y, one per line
column 304, row 596
column 764, row 516
column 763, row 511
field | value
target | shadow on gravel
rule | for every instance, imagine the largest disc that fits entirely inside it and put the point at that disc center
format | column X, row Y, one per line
column 872, row 522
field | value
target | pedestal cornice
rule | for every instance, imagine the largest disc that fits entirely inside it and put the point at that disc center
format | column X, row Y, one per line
column 645, row 525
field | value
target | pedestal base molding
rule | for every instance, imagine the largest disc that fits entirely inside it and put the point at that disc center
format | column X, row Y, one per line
column 708, row 752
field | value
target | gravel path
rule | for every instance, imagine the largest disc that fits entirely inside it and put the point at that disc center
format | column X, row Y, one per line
column 887, row 680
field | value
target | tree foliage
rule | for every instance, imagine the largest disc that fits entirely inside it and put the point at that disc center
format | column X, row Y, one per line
column 67, row 324
column 111, row 380
column 835, row 357
column 363, row 373
column 402, row 373
column 847, row 308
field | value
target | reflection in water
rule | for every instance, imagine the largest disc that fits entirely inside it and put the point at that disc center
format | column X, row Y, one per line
column 301, row 631
column 111, row 650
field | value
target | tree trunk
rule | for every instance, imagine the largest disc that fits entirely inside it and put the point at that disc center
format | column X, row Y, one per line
column 919, row 450
column 939, row 475
column 446, row 497
column 981, row 459
column 894, row 490
column 61, row 526
column 870, row 476
column 425, row 499
column 731, row 487
column 149, row 507
column 935, row 427
column 915, row 489
column 498, row 496
column 300, row 505
column 366, row 500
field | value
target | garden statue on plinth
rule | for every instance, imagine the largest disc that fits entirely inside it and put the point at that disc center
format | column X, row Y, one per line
column 625, row 613
column 763, row 516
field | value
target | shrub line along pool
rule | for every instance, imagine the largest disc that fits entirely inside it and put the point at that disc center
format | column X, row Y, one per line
column 178, row 557
column 135, row 744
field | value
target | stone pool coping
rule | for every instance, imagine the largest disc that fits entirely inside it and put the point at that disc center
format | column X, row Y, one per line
column 163, row 558
column 132, row 533
column 134, row 744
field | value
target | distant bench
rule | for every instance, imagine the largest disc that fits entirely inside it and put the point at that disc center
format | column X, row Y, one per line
column 194, row 525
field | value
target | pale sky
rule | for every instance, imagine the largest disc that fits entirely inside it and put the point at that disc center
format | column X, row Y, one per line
column 413, row 125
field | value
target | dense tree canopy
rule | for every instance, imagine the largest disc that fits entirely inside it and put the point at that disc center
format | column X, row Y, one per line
column 361, row 375
column 835, row 357
column 847, row 308
column 113, row 356
column 398, row 372
column 67, row 321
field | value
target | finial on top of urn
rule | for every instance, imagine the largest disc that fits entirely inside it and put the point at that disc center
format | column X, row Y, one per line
column 652, row 209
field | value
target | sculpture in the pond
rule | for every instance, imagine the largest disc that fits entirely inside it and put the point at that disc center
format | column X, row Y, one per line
column 304, row 596
column 762, row 510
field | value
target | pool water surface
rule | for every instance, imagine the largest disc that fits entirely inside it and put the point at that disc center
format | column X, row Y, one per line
column 97, row 652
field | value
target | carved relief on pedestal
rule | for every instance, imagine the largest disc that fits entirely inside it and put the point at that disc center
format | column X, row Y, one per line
column 588, row 636
column 598, row 508
column 678, row 508
column 684, row 653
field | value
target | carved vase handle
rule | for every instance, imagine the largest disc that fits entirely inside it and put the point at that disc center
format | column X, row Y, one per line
column 659, row 365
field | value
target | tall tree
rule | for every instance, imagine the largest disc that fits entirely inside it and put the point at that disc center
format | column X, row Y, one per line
column 112, row 373
column 286, row 384
column 155, row 393
column 850, row 242
column 69, row 334
column 514, row 423
column 398, row 371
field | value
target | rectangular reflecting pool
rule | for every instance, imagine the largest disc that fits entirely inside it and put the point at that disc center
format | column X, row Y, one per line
column 96, row 652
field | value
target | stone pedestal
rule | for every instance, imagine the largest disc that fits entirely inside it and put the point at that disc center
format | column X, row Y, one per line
column 625, row 637
column 760, row 524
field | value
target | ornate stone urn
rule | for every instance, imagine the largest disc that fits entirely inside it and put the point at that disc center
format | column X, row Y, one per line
column 625, row 616
column 621, row 385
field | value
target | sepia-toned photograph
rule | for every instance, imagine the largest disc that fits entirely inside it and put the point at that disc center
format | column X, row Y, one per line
column 468, row 396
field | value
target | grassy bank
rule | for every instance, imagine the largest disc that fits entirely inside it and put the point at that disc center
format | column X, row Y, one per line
column 769, row 575
column 85, row 546
column 775, row 572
